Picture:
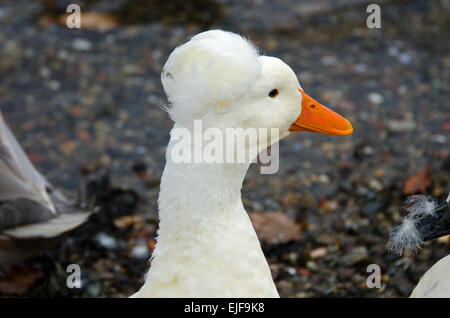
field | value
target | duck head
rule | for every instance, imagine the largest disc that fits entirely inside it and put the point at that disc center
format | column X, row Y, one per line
column 220, row 78
column 276, row 100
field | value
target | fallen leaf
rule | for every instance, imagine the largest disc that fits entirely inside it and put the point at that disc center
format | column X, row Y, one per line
column 418, row 182
column 275, row 227
column 19, row 280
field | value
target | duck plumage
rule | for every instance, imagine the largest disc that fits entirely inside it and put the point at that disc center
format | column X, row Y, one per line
column 206, row 245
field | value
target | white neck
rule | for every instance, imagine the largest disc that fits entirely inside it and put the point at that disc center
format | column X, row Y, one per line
column 207, row 246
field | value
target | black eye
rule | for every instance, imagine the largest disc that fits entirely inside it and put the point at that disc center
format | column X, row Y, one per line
column 273, row 92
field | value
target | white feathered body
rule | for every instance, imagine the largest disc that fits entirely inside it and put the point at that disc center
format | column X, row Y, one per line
column 207, row 246
column 436, row 281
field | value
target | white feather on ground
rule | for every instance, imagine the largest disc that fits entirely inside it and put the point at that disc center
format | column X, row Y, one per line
column 49, row 229
column 18, row 177
column 31, row 209
column 407, row 236
column 404, row 237
column 419, row 205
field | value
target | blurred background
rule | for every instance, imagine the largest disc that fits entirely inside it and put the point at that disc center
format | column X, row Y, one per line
column 84, row 105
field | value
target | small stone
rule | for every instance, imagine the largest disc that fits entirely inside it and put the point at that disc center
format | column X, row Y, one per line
column 371, row 208
column 292, row 257
column 54, row 85
column 105, row 240
column 292, row 271
column 375, row 98
column 311, row 265
column 323, row 178
column 357, row 255
column 94, row 289
column 68, row 147
column 360, row 68
column 128, row 220
column 405, row 58
column 393, row 51
column 81, row 44
column 45, row 72
column 140, row 251
column 401, row 125
column 440, row 139
column 329, row 60
column 376, row 185
column 318, row 252
column 329, row 205
column 325, row 239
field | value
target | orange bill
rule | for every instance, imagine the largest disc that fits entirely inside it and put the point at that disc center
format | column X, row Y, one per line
column 318, row 118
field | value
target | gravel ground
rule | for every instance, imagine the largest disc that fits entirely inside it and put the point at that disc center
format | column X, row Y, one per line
column 84, row 105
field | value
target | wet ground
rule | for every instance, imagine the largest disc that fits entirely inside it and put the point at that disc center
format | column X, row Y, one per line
column 84, row 103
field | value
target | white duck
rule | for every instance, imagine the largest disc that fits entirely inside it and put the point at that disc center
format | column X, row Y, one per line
column 206, row 244
column 436, row 281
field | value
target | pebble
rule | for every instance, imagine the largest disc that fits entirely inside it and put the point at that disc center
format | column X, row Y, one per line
column 311, row 265
column 318, row 252
column 291, row 271
column 375, row 98
column 355, row 256
column 105, row 240
column 400, row 125
column 329, row 60
column 393, row 51
column 81, row 44
column 405, row 58
column 360, row 68
column 325, row 239
column 54, row 85
column 94, row 289
column 438, row 139
column 140, row 251
column 371, row 208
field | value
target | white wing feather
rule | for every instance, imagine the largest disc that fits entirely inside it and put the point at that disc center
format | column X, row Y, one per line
column 51, row 228
column 18, row 177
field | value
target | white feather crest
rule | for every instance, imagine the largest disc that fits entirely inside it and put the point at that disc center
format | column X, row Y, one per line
column 208, row 73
